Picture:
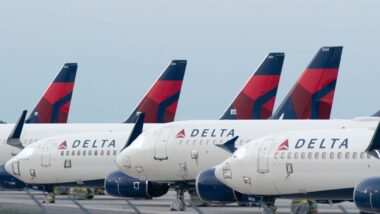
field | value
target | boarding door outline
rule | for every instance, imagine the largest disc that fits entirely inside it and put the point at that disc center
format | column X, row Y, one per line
column 46, row 153
column 263, row 155
column 160, row 151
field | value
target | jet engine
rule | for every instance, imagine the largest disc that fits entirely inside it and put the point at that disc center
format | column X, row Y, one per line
column 210, row 189
column 367, row 195
column 121, row 185
column 7, row 181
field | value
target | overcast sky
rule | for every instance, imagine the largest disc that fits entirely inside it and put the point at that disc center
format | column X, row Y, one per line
column 122, row 47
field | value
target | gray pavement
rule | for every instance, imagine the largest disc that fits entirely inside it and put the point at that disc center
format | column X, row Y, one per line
column 20, row 203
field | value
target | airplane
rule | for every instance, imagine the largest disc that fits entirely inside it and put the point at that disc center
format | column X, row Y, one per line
column 339, row 164
column 158, row 103
column 71, row 159
column 181, row 150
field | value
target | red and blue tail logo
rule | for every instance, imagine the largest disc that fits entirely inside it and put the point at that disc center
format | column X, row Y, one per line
column 54, row 106
column 160, row 104
column 313, row 94
column 284, row 145
column 256, row 99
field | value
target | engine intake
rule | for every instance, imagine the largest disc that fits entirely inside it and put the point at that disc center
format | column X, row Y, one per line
column 121, row 185
column 367, row 195
column 7, row 181
column 210, row 189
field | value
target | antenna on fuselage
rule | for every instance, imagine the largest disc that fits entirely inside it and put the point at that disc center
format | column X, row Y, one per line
column 137, row 129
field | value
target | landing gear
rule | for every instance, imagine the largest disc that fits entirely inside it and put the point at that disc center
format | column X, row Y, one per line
column 179, row 204
column 268, row 206
column 49, row 198
column 304, row 206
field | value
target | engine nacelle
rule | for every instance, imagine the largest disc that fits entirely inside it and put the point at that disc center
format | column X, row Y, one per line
column 210, row 189
column 7, row 181
column 121, row 185
column 367, row 195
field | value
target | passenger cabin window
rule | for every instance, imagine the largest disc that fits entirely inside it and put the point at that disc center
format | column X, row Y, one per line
column 354, row 155
column 73, row 153
column 303, row 155
column 347, row 155
column 361, row 155
column 78, row 152
column 102, row 152
column 90, row 153
column 316, row 155
column 331, row 155
column 323, row 155
column 114, row 152
column 282, row 155
column 275, row 155
column 339, row 155
column 310, row 155
column 96, row 153
column 295, row 155
column 84, row 152
column 108, row 152
column 67, row 153
column 62, row 153
column 289, row 155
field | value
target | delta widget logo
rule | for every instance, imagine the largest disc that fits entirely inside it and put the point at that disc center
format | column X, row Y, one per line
column 63, row 145
column 180, row 134
column 284, row 145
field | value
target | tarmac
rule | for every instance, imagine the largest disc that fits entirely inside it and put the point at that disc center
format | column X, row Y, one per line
column 13, row 202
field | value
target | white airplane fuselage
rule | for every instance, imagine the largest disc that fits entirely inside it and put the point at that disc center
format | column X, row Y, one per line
column 34, row 132
column 69, row 159
column 180, row 150
column 325, row 164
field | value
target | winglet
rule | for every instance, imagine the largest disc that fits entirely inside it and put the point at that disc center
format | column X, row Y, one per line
column 374, row 146
column 137, row 129
column 14, row 137
column 229, row 146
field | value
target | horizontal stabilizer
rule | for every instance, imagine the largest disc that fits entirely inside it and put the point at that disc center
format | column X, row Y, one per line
column 14, row 137
column 229, row 146
column 374, row 146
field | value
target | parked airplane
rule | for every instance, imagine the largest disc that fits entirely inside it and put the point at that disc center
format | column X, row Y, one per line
column 181, row 150
column 158, row 103
column 69, row 159
column 323, row 164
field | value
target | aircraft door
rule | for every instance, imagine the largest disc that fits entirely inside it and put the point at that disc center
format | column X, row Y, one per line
column 263, row 155
column 46, row 154
column 161, row 144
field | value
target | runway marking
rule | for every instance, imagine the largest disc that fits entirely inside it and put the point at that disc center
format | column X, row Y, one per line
column 43, row 209
column 137, row 211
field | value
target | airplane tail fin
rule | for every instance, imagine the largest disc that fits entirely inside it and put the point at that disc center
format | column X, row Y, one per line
column 312, row 95
column 54, row 105
column 256, row 99
column 160, row 103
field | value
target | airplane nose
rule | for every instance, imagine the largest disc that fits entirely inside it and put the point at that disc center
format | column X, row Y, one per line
column 8, row 166
column 223, row 172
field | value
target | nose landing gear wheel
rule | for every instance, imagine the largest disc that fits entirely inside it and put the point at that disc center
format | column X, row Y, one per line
column 179, row 204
